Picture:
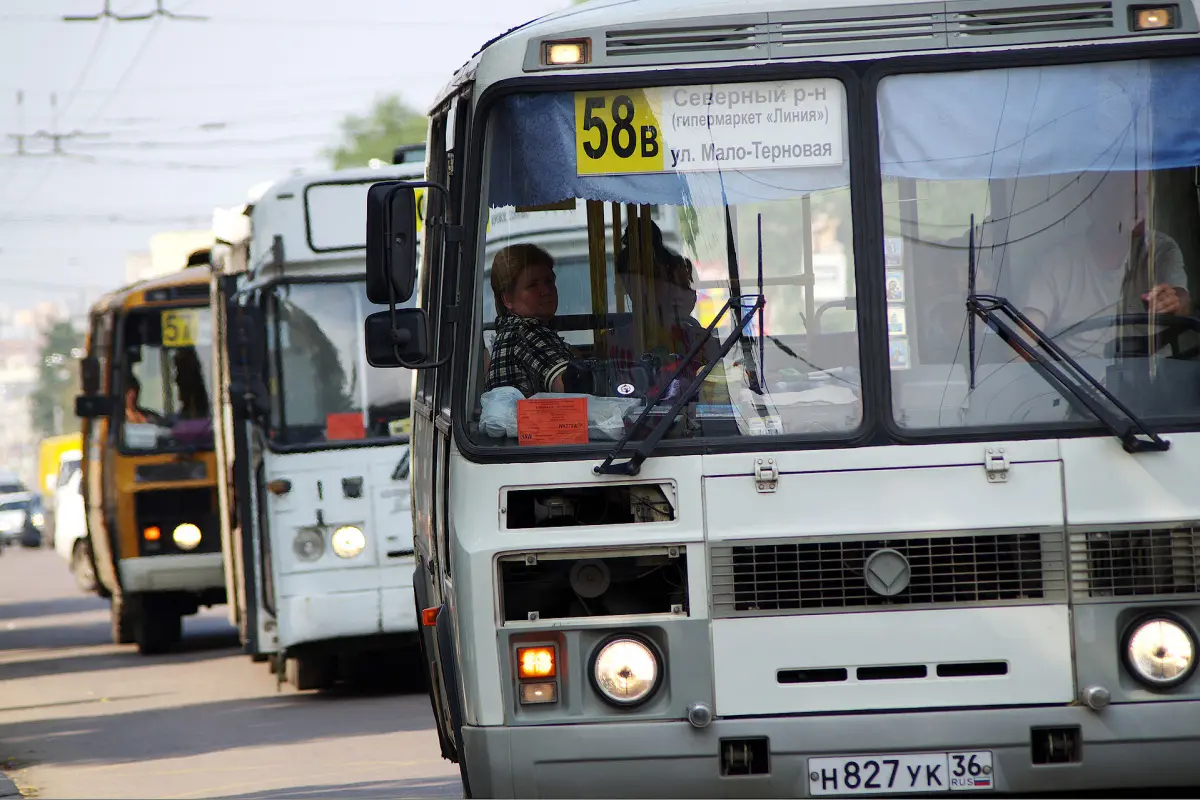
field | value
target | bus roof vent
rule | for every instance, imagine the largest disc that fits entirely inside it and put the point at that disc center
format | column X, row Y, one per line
column 1030, row 22
column 865, row 29
column 726, row 38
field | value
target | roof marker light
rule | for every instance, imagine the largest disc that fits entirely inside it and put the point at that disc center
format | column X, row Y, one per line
column 566, row 53
column 1153, row 19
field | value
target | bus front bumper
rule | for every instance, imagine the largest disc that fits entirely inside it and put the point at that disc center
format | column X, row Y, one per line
column 320, row 617
column 1136, row 746
column 196, row 572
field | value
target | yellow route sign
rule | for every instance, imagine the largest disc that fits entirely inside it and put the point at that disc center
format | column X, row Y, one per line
column 179, row 327
column 617, row 132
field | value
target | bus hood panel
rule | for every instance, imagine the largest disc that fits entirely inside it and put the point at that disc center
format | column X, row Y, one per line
column 885, row 660
column 884, row 501
column 1107, row 486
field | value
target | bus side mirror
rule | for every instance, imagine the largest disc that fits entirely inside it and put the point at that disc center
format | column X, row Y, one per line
column 89, row 374
column 90, row 406
column 391, row 242
column 404, row 345
column 246, row 345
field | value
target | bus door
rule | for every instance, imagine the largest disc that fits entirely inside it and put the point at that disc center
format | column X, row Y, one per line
column 244, row 406
column 100, row 494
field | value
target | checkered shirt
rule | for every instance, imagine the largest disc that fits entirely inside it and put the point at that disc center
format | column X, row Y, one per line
column 526, row 354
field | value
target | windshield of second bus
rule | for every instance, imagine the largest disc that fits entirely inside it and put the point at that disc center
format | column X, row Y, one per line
column 620, row 225
column 166, row 389
column 322, row 389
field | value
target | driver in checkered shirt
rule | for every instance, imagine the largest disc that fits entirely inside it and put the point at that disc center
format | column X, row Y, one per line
column 526, row 352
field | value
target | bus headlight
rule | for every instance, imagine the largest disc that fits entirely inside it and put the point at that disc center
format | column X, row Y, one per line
column 1160, row 653
column 626, row 670
column 309, row 544
column 349, row 541
column 186, row 536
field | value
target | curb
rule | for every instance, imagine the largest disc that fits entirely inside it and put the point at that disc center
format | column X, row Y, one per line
column 8, row 789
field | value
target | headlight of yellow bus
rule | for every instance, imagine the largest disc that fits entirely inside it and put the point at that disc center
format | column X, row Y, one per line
column 186, row 536
column 349, row 541
column 1160, row 652
column 626, row 670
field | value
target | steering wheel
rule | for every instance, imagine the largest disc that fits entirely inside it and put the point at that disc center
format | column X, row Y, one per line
column 1172, row 326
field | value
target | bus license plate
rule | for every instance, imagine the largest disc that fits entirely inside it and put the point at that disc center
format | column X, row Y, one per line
column 895, row 774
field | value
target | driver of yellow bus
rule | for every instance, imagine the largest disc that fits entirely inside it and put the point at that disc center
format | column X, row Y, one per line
column 1120, row 267
column 526, row 352
column 133, row 412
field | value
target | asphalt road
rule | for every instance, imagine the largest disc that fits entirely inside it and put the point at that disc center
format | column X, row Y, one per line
column 83, row 718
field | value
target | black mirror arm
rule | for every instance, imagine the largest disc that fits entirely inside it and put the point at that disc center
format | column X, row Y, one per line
column 401, row 338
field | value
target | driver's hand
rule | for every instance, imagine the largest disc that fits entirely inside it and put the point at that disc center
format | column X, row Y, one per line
column 1163, row 299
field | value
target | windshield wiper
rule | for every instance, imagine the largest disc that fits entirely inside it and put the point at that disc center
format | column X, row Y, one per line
column 1064, row 373
column 634, row 464
column 1054, row 364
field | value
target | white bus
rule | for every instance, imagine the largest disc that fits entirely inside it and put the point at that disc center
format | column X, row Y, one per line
column 313, row 443
column 916, row 514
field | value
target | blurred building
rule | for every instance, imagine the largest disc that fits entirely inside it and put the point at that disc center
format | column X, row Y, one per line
column 19, row 369
column 168, row 253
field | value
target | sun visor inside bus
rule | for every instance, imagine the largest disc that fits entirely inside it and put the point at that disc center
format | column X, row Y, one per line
column 1135, row 115
column 534, row 163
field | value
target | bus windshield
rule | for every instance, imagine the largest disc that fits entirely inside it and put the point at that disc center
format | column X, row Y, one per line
column 166, row 390
column 1071, row 190
column 322, row 389
column 621, row 225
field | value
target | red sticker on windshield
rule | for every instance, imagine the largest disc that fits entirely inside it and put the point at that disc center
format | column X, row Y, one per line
column 555, row 421
column 344, row 425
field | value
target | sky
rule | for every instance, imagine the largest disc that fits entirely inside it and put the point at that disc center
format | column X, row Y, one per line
column 164, row 119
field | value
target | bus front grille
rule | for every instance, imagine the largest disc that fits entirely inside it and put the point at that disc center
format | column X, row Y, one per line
column 1144, row 562
column 935, row 570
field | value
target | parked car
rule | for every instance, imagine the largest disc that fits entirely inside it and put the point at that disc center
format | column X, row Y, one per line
column 70, row 532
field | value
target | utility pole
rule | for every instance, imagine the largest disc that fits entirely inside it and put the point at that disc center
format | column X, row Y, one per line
column 19, row 136
column 53, row 135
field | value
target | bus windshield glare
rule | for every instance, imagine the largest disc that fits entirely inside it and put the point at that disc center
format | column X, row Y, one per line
column 611, row 248
column 1080, row 181
column 323, row 391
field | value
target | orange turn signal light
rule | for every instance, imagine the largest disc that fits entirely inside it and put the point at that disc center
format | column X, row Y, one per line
column 536, row 662
column 429, row 616
column 152, row 534
column 279, row 486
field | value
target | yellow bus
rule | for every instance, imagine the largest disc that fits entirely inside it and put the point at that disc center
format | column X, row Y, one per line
column 149, row 475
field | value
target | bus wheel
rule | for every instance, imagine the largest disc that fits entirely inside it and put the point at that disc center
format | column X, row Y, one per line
column 123, row 620
column 158, row 627
column 82, row 569
column 311, row 672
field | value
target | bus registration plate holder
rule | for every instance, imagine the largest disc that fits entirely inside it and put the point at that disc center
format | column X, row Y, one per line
column 901, row 773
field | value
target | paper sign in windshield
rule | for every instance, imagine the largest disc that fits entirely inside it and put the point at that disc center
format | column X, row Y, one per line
column 733, row 126
column 344, row 425
column 552, row 421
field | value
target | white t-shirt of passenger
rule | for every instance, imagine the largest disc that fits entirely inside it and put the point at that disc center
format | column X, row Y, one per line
column 1071, row 288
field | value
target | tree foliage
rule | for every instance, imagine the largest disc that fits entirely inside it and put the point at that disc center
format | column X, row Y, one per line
column 390, row 123
column 53, row 400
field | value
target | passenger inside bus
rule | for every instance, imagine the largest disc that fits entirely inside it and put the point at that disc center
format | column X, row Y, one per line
column 526, row 354
column 672, row 327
